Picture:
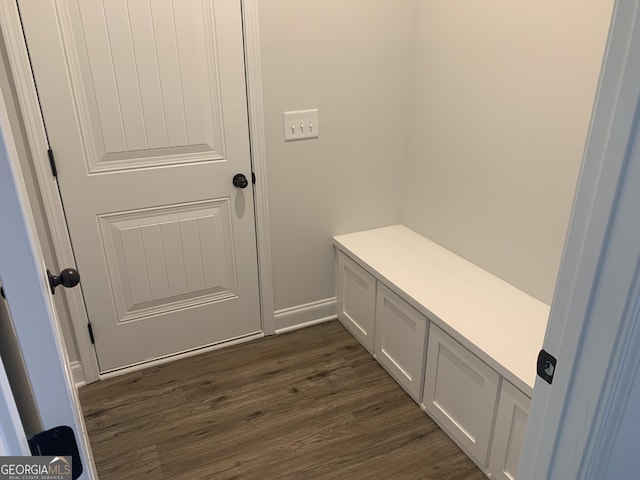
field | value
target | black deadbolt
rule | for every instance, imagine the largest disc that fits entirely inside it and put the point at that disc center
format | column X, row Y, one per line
column 240, row 181
column 68, row 278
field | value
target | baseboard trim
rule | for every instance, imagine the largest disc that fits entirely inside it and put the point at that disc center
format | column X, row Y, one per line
column 301, row 316
column 77, row 374
column 286, row 320
column 177, row 356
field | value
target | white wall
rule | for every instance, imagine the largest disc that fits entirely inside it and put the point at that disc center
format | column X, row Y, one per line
column 501, row 102
column 350, row 60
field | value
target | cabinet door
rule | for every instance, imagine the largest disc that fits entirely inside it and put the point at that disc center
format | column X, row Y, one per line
column 400, row 340
column 460, row 393
column 356, row 298
column 508, row 437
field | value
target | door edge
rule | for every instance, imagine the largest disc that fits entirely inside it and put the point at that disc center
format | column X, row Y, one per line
column 27, row 98
column 253, row 76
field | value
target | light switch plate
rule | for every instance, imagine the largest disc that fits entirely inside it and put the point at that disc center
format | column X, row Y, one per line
column 301, row 125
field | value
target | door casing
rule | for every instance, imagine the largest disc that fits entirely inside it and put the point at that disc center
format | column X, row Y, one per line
column 36, row 136
column 573, row 419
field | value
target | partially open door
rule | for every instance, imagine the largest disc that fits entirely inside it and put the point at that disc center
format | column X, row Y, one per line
column 27, row 290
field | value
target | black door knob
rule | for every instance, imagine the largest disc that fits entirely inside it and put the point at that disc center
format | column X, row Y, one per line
column 68, row 278
column 240, row 181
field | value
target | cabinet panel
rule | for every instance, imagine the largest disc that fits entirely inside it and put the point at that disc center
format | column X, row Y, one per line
column 460, row 392
column 508, row 437
column 356, row 298
column 400, row 340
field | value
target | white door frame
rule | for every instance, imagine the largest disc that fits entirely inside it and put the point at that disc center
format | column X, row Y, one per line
column 37, row 140
column 12, row 437
column 32, row 312
column 589, row 328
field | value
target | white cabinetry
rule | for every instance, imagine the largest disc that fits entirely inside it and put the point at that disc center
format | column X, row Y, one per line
column 460, row 393
column 508, row 436
column 400, row 340
column 476, row 373
column 356, row 297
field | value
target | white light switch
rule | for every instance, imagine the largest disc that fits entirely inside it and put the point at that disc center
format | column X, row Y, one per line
column 300, row 125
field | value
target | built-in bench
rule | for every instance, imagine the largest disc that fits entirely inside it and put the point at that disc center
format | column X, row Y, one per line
column 462, row 342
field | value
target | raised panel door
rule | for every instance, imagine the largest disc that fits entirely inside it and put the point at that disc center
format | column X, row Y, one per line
column 510, row 429
column 460, row 393
column 146, row 112
column 400, row 340
column 356, row 299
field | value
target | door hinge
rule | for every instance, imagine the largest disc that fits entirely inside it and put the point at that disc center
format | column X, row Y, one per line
column 91, row 337
column 253, row 178
column 546, row 366
column 52, row 162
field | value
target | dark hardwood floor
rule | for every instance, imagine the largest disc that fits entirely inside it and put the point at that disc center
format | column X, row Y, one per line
column 304, row 405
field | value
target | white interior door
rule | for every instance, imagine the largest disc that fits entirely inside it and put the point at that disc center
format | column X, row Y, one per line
column 23, row 276
column 145, row 108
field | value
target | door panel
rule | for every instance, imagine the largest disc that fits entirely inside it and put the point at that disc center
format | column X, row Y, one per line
column 509, row 433
column 400, row 340
column 145, row 108
column 147, row 83
column 460, row 393
column 356, row 300
column 169, row 258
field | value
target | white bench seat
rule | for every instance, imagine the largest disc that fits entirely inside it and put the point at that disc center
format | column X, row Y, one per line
column 496, row 321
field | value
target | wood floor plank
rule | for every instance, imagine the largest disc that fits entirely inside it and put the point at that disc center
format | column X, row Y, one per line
column 310, row 404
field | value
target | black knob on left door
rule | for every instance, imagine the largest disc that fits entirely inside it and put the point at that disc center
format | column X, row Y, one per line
column 240, row 181
column 68, row 278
